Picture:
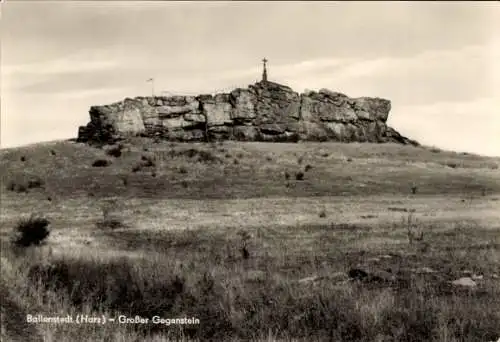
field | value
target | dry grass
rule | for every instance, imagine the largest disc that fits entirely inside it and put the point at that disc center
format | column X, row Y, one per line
column 181, row 251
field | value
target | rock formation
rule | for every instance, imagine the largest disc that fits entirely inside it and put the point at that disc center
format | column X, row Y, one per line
column 265, row 111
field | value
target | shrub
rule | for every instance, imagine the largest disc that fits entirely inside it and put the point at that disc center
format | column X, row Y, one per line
column 183, row 170
column 23, row 158
column 236, row 162
column 147, row 161
column 184, row 184
column 52, row 152
column 300, row 160
column 101, row 163
column 322, row 213
column 299, row 176
column 17, row 187
column 287, row 175
column 115, row 151
column 269, row 158
column 308, row 167
column 24, row 186
column 414, row 189
column 35, row 183
column 136, row 168
column 239, row 155
column 452, row 165
column 349, row 160
column 108, row 220
column 228, row 155
column 31, row 231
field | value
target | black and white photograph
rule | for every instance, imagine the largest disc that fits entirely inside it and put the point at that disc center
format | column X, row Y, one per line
column 249, row 171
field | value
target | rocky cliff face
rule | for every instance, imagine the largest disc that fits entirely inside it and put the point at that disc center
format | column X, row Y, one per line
column 265, row 111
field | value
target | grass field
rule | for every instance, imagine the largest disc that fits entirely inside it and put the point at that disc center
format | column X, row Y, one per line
column 259, row 241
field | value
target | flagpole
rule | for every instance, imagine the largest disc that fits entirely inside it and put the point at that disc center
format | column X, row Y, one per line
column 152, row 80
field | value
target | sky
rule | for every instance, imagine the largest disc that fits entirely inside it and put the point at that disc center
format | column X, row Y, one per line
column 438, row 62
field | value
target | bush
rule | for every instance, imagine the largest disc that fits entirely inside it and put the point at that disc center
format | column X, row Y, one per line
column 183, row 170
column 101, row 163
column 147, row 161
column 452, row 165
column 35, row 183
column 23, row 158
column 308, row 167
column 52, row 152
column 299, row 176
column 31, row 231
column 24, row 186
column 17, row 187
column 115, row 151
column 322, row 213
column 300, row 160
column 287, row 175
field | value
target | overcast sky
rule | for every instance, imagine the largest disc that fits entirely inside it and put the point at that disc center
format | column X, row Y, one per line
column 436, row 62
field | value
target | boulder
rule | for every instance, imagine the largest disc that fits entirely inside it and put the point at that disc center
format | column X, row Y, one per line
column 373, row 109
column 318, row 106
column 217, row 110
column 275, row 103
column 245, row 133
column 466, row 282
column 242, row 101
column 272, row 128
column 265, row 111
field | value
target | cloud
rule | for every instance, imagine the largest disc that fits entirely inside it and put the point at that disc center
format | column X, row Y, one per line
column 82, row 61
column 89, row 93
column 470, row 126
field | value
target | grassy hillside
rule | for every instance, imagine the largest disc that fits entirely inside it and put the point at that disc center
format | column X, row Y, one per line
column 235, row 170
column 259, row 241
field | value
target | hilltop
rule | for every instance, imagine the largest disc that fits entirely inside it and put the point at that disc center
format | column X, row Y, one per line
column 247, row 169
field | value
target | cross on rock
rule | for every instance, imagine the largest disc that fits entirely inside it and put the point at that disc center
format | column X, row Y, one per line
column 264, row 73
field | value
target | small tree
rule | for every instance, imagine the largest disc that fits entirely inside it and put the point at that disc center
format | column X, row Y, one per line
column 31, row 231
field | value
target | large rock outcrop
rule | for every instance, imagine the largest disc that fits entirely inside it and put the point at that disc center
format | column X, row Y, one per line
column 265, row 111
